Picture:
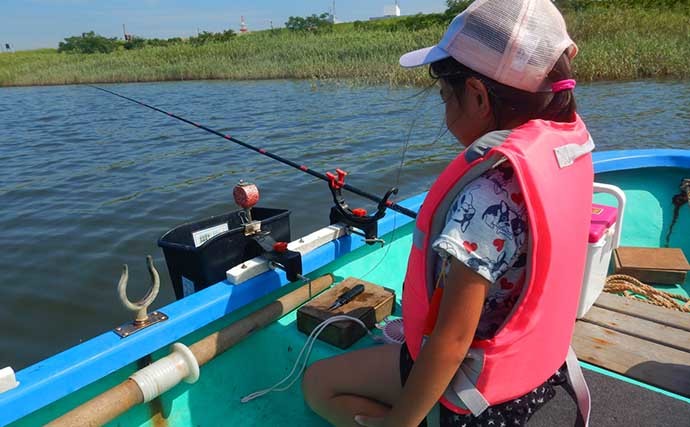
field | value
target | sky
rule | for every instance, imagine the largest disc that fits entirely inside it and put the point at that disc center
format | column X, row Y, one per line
column 32, row 24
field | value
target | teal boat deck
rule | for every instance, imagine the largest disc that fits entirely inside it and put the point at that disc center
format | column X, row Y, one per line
column 268, row 355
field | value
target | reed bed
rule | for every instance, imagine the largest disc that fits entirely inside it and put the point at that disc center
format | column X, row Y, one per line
column 631, row 44
column 614, row 45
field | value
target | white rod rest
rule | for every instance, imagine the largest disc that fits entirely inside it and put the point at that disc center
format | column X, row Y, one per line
column 8, row 381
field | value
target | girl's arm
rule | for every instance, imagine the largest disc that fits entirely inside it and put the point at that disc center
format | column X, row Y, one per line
column 461, row 306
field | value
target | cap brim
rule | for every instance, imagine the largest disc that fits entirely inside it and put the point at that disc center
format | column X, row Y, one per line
column 423, row 56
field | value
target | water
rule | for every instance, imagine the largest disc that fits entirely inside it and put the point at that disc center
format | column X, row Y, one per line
column 89, row 181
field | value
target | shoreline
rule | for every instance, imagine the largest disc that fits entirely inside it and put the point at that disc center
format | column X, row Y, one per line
column 615, row 45
column 351, row 81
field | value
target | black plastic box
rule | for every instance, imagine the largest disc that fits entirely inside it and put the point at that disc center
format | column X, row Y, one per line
column 199, row 253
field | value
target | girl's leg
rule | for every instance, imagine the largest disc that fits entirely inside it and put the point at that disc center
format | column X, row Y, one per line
column 363, row 382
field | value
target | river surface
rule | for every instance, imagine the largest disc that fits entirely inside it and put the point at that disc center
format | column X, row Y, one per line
column 89, row 182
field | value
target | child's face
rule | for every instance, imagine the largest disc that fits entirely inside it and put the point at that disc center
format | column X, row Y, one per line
column 465, row 115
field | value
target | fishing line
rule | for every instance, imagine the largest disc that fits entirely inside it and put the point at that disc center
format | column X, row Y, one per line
column 280, row 159
column 443, row 130
column 308, row 345
column 403, row 155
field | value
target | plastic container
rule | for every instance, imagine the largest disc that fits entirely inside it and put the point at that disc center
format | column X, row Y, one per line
column 604, row 237
column 199, row 253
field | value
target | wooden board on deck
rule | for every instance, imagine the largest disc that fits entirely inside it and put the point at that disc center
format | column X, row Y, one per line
column 641, row 341
column 371, row 306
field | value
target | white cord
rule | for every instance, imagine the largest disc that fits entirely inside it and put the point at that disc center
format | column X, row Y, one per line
column 308, row 346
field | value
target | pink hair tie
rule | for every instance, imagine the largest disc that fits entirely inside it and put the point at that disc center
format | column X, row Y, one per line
column 563, row 85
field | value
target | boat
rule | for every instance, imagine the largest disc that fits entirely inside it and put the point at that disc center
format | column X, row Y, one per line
column 52, row 388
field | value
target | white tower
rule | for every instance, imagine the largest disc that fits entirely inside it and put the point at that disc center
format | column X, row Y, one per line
column 243, row 26
column 333, row 18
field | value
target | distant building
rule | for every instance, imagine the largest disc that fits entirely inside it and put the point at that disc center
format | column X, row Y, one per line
column 391, row 10
column 128, row 37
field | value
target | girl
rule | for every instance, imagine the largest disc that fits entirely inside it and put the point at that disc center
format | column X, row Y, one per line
column 490, row 299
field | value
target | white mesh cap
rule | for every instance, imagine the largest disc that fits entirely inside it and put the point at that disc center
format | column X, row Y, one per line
column 514, row 42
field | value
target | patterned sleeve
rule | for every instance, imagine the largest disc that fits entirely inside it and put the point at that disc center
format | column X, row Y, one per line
column 486, row 224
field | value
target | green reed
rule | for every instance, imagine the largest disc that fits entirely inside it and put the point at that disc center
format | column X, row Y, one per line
column 614, row 45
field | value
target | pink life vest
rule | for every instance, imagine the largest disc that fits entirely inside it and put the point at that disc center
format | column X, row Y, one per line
column 554, row 169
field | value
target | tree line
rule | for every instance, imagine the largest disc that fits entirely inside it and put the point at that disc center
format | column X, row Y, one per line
column 90, row 42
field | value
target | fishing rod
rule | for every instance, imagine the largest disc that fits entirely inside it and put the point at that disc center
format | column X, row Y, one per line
column 335, row 183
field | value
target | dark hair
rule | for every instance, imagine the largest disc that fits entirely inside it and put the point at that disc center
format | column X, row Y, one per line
column 509, row 103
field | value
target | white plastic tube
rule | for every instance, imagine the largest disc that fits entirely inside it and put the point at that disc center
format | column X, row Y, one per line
column 166, row 373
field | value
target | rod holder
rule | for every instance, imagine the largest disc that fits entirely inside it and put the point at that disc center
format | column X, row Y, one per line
column 142, row 318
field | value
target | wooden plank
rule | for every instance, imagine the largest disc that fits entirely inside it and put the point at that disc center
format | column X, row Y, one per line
column 640, row 328
column 663, row 316
column 652, row 258
column 633, row 357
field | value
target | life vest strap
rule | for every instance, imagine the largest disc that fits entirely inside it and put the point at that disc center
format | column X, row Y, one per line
column 577, row 381
column 567, row 154
column 465, row 389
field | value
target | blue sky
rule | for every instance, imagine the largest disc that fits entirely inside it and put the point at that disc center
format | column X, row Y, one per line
column 31, row 24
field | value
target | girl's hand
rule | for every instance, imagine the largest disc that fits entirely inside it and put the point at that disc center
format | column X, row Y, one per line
column 367, row 421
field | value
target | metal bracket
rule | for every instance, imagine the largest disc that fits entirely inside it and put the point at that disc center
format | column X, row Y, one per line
column 251, row 228
column 128, row 329
column 367, row 240
column 142, row 319
column 357, row 218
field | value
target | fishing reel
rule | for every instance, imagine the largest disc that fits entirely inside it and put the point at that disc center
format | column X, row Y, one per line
column 357, row 218
column 246, row 195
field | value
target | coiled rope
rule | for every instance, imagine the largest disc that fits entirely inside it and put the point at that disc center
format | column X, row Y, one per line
column 629, row 287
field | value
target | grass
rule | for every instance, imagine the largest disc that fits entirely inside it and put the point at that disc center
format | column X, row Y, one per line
column 614, row 45
column 631, row 44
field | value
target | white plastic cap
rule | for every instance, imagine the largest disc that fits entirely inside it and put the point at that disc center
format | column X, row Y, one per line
column 514, row 42
column 8, row 381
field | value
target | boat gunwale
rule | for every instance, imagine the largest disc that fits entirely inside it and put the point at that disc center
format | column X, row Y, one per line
column 621, row 160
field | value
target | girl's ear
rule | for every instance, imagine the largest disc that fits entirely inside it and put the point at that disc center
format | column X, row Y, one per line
column 478, row 96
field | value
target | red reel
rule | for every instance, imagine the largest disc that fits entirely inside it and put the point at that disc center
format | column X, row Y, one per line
column 246, row 194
